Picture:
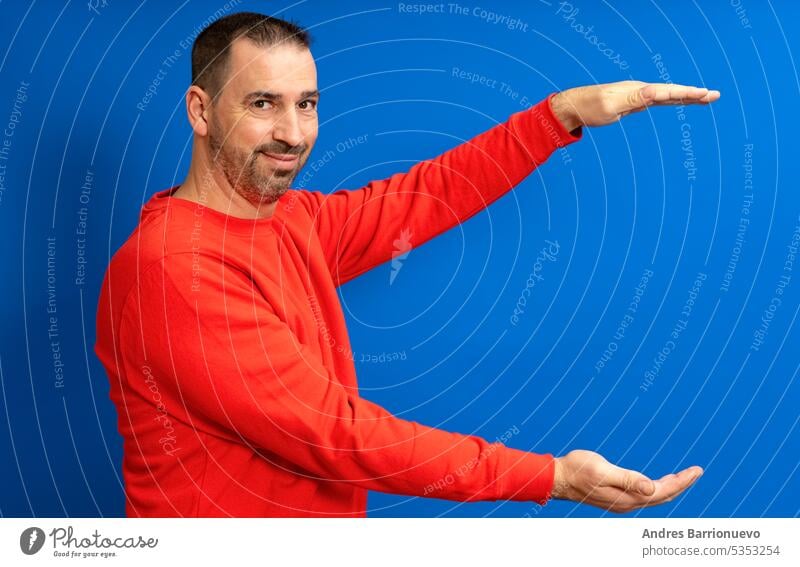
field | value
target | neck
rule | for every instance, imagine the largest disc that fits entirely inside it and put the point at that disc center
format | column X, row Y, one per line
column 212, row 189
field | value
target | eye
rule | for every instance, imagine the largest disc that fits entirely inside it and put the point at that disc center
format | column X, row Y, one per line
column 261, row 101
column 312, row 102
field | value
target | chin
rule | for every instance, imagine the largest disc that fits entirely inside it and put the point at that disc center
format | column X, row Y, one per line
column 273, row 194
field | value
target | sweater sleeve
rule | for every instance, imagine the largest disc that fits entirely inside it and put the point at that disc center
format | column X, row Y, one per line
column 227, row 365
column 362, row 228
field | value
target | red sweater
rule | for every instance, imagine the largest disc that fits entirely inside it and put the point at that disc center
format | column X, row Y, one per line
column 228, row 355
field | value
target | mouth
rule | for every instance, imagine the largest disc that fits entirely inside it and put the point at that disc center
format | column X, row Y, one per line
column 282, row 160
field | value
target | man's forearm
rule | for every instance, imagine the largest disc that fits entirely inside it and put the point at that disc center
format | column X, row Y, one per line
column 362, row 226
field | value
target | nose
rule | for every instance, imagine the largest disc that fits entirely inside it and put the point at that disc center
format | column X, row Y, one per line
column 287, row 128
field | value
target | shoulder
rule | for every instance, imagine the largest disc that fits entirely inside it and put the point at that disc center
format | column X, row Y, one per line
column 306, row 200
column 163, row 240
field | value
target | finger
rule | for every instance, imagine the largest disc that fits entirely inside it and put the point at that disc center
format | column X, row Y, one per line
column 617, row 500
column 663, row 93
column 628, row 480
column 667, row 93
column 688, row 472
column 669, row 486
column 709, row 97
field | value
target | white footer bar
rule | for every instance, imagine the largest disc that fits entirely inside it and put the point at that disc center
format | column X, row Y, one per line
column 389, row 542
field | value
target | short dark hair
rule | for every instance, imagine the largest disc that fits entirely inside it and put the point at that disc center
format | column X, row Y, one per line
column 211, row 48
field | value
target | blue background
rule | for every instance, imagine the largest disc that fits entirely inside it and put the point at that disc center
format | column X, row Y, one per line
column 620, row 202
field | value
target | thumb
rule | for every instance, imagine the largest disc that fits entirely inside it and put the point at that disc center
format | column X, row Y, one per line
column 640, row 97
column 631, row 481
column 637, row 482
column 645, row 486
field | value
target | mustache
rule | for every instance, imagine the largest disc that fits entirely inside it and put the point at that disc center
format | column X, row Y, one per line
column 282, row 148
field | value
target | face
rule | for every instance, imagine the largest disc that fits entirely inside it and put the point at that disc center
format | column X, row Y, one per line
column 264, row 124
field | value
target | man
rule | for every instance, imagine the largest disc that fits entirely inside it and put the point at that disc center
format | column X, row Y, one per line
column 219, row 322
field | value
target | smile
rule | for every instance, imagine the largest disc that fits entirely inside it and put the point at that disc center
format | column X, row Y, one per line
column 282, row 160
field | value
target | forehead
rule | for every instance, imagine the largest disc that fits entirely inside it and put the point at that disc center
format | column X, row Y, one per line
column 284, row 67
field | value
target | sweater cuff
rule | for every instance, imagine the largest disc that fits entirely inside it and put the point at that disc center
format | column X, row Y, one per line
column 540, row 131
column 526, row 476
column 564, row 136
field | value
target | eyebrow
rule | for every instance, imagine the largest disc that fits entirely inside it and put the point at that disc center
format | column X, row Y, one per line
column 269, row 95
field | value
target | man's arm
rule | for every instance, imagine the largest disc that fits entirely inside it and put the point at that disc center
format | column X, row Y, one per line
column 362, row 228
column 225, row 363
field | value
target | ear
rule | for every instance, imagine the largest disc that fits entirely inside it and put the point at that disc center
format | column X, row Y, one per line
column 198, row 104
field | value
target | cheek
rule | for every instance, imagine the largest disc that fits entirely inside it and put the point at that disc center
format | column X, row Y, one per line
column 254, row 133
column 310, row 137
column 310, row 127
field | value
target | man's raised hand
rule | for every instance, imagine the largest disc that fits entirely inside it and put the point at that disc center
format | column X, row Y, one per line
column 599, row 105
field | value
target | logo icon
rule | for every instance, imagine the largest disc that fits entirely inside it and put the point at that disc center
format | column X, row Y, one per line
column 402, row 246
column 31, row 540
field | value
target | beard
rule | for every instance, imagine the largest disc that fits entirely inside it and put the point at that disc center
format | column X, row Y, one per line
column 254, row 181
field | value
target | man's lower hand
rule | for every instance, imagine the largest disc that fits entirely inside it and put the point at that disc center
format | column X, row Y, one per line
column 588, row 478
column 599, row 105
